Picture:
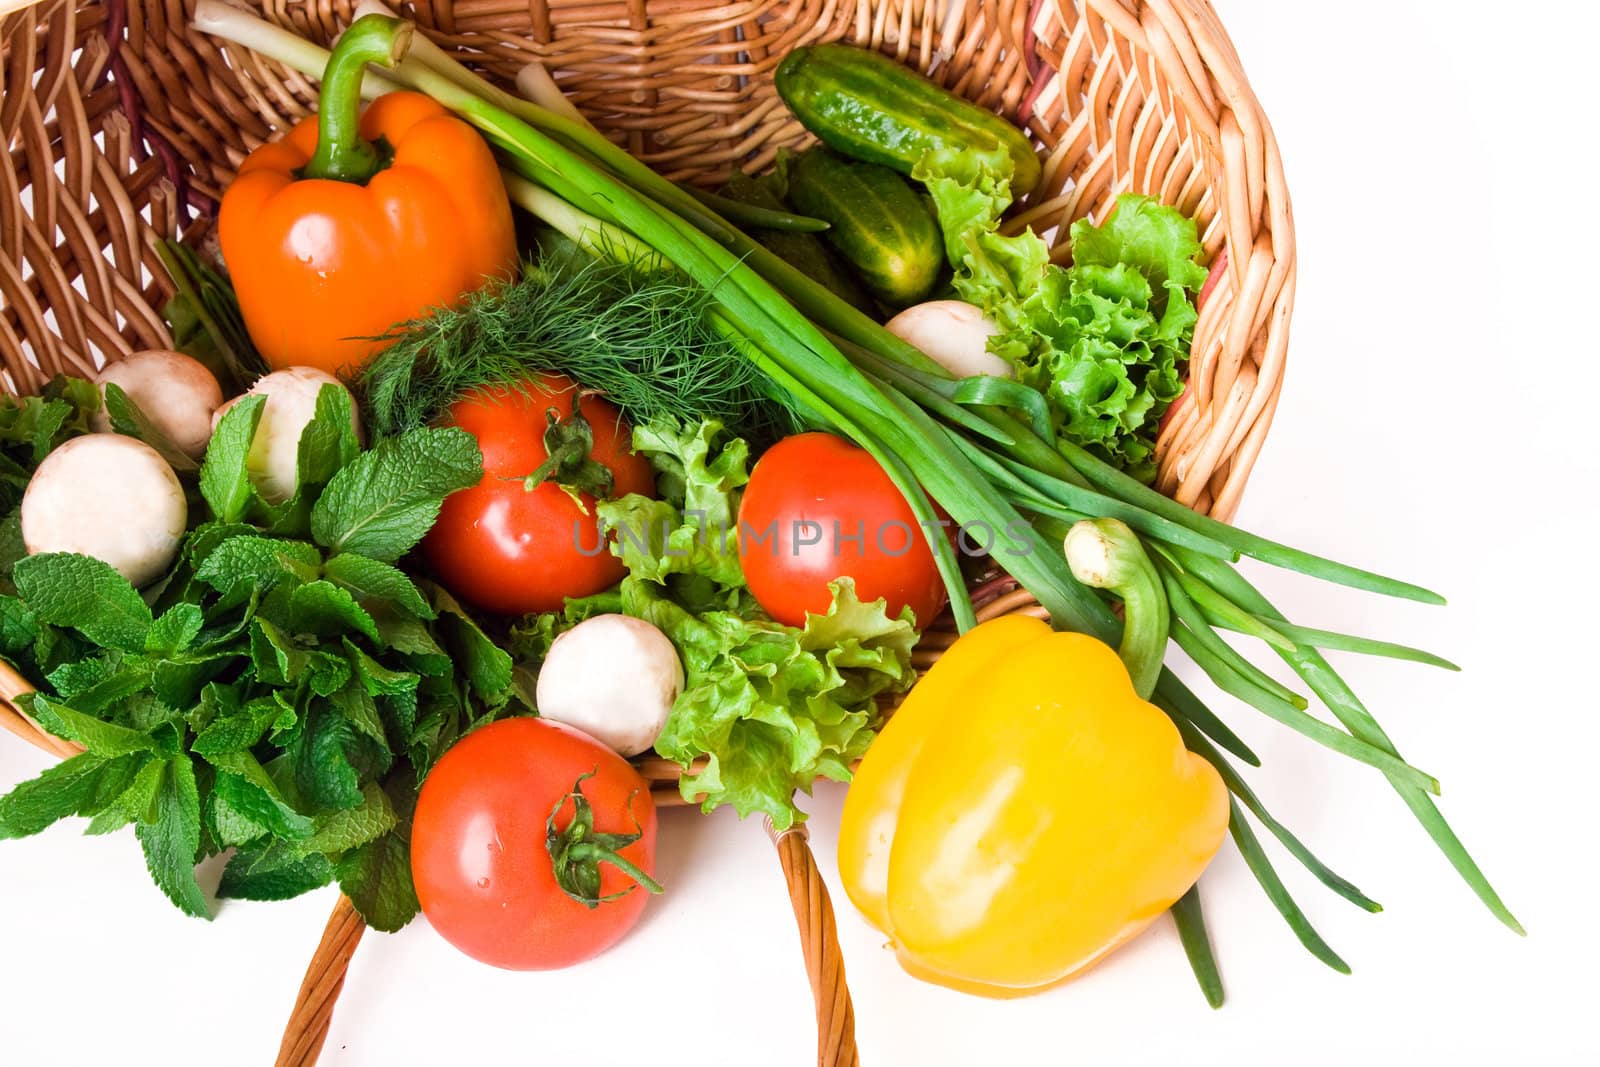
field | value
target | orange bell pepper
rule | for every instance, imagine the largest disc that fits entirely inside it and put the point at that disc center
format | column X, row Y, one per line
column 339, row 231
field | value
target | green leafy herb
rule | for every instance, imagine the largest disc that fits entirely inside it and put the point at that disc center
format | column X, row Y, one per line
column 282, row 690
column 273, row 872
column 128, row 420
column 86, row 594
column 34, row 426
column 640, row 338
column 171, row 836
column 225, row 474
column 66, row 789
column 383, row 502
column 377, row 879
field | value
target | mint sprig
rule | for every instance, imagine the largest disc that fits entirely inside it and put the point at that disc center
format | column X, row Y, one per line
column 281, row 691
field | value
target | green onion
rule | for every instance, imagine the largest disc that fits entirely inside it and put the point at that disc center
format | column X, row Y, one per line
column 1326, row 639
column 765, row 218
column 1192, row 620
column 1191, row 922
column 1198, row 743
column 1256, row 859
column 1331, row 688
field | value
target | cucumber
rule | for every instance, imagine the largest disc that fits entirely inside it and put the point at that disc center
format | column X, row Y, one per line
column 805, row 252
column 871, row 108
column 876, row 221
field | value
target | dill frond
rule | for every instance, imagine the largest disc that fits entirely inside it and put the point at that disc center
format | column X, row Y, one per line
column 640, row 339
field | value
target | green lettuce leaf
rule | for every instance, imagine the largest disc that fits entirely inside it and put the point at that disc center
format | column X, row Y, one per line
column 1105, row 339
column 772, row 708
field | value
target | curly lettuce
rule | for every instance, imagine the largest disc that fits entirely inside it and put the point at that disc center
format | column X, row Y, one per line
column 769, row 708
column 1105, row 339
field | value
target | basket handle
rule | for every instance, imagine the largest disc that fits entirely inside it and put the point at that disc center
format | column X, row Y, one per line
column 819, row 940
column 308, row 1024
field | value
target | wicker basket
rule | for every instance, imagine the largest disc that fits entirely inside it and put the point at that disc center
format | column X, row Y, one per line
column 122, row 124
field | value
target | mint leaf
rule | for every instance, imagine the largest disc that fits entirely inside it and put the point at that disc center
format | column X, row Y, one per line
column 387, row 499
column 87, row 594
column 244, row 784
column 99, row 684
column 228, row 827
column 18, row 629
column 361, row 712
column 377, row 679
column 177, row 682
column 239, row 730
column 100, row 738
column 277, row 659
column 319, row 757
column 175, row 629
column 128, row 420
column 134, row 802
column 209, row 536
column 171, row 838
column 368, row 579
column 324, row 609
column 328, row 441
column 63, row 790
column 486, row 665
column 412, row 639
column 258, row 563
column 225, row 475
column 275, row 872
column 344, row 830
column 12, row 547
column 213, row 702
column 327, row 672
column 377, row 879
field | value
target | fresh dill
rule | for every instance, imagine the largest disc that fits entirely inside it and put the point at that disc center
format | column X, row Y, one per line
column 641, row 339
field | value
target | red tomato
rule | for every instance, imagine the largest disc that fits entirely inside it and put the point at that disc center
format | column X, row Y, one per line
column 513, row 550
column 819, row 508
column 480, row 855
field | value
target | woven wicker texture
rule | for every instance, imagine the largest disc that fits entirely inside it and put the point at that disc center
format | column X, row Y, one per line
column 122, row 124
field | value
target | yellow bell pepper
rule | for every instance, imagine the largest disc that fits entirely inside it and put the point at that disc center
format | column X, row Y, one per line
column 1025, row 812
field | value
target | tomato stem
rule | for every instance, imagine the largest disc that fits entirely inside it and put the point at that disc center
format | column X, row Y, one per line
column 569, row 459
column 342, row 153
column 577, row 851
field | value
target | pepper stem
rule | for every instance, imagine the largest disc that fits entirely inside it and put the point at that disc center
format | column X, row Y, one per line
column 342, row 155
column 1105, row 554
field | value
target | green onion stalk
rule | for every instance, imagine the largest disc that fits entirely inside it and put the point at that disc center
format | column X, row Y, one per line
column 1106, row 554
column 977, row 447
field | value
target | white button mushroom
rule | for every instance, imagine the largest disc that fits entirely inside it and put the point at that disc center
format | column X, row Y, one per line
column 615, row 678
column 176, row 393
column 952, row 333
column 291, row 402
column 110, row 497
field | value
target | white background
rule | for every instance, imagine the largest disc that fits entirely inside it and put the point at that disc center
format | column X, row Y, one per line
column 1437, row 424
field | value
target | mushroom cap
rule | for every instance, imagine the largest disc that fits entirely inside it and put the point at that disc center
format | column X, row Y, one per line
column 176, row 393
column 952, row 333
column 291, row 402
column 110, row 497
column 615, row 678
